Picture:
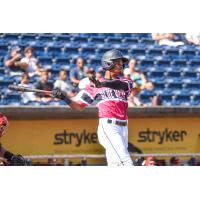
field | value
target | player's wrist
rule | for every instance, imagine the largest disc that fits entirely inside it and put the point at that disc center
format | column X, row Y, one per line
column 67, row 100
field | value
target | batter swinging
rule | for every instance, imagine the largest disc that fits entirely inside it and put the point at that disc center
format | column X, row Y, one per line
column 110, row 93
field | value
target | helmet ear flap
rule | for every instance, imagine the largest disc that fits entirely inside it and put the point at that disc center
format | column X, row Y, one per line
column 108, row 64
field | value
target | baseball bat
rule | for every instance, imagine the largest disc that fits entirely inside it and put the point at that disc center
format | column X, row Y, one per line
column 27, row 89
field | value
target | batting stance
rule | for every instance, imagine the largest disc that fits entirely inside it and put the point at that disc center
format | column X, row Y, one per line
column 15, row 160
column 110, row 93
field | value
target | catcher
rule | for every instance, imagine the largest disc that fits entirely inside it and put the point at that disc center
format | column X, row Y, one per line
column 10, row 158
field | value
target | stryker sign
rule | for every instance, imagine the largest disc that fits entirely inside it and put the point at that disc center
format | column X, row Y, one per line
column 77, row 138
column 162, row 136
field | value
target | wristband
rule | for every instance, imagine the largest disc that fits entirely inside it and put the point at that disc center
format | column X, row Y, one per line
column 67, row 100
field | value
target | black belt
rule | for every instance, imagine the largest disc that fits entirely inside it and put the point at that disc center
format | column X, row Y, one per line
column 119, row 123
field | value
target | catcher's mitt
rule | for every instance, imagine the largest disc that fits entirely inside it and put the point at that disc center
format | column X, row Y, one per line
column 19, row 160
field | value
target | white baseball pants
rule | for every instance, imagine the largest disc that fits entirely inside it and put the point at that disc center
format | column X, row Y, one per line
column 114, row 139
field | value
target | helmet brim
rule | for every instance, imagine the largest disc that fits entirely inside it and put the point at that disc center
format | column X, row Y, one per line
column 123, row 59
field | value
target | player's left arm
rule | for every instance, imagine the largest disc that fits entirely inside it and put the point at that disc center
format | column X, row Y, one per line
column 113, row 84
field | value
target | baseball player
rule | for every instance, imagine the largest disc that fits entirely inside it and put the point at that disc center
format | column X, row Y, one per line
column 15, row 160
column 110, row 93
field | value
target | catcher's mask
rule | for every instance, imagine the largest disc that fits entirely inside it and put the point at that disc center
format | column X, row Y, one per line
column 3, row 123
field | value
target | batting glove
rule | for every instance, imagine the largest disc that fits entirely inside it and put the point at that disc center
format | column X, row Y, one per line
column 96, row 82
column 57, row 93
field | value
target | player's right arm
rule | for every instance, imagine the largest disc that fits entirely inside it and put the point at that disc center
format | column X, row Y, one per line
column 76, row 105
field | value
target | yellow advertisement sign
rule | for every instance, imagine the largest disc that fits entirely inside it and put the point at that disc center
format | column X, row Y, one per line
column 166, row 135
column 78, row 136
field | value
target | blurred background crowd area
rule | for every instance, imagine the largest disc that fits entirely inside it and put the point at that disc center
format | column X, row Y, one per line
column 140, row 161
column 165, row 67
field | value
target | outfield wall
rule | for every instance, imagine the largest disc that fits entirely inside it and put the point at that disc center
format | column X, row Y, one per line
column 60, row 130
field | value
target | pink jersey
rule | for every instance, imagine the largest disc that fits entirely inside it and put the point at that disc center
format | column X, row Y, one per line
column 111, row 103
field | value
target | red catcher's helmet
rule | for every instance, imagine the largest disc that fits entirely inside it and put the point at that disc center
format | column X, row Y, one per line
column 3, row 123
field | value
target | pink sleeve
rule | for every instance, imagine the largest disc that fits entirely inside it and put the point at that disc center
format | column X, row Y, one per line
column 86, row 97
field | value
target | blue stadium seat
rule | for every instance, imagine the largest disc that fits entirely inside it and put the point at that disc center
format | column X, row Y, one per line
column 186, row 80
column 22, row 45
column 174, row 86
column 147, row 41
column 166, row 98
column 188, row 53
column 88, row 50
column 55, row 72
column 71, row 51
column 137, row 51
column 94, row 62
column 28, row 37
column 12, row 98
column 114, row 40
column 1, row 65
column 174, row 74
column 39, row 50
column 62, row 55
column 127, row 35
column 4, row 84
column 131, row 40
column 101, row 51
column 3, row 49
column 155, row 74
column 195, row 62
column 146, row 95
column 97, row 39
column 169, row 79
column 54, row 50
column 189, row 74
column 45, row 60
column 182, row 99
column 62, row 61
column 45, row 38
column 12, row 103
column 79, row 40
column 172, row 52
column 168, row 91
column 191, row 92
column 162, row 62
column 155, row 52
column 56, row 103
column 192, row 85
column 147, row 62
column 180, row 62
column 11, row 36
column 33, row 103
column 125, row 51
column 143, row 35
column 106, row 34
column 196, row 100
column 175, row 68
column 60, row 39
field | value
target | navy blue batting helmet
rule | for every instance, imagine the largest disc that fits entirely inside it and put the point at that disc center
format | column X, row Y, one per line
column 110, row 56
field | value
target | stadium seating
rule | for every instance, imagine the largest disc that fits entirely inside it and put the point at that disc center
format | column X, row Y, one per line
column 175, row 71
